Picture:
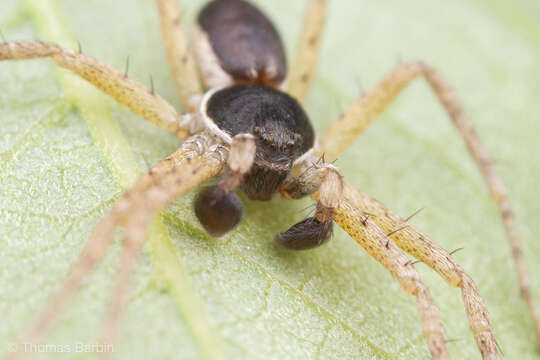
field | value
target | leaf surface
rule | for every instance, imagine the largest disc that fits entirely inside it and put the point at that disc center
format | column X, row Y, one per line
column 66, row 152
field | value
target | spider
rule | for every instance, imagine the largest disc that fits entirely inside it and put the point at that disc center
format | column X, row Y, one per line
column 287, row 155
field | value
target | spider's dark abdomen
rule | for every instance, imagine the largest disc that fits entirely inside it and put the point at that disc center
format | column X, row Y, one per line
column 245, row 42
column 281, row 128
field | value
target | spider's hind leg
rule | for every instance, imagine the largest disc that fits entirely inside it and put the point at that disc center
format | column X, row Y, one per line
column 180, row 58
column 307, row 50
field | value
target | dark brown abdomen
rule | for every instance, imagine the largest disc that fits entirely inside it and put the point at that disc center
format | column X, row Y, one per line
column 245, row 42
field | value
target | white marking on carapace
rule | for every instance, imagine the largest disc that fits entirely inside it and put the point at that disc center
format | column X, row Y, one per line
column 211, row 71
column 208, row 122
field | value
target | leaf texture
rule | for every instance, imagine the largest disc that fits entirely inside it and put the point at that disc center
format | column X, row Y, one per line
column 66, row 152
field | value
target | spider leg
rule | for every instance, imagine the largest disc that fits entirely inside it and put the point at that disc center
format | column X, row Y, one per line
column 149, row 198
column 307, row 50
column 423, row 248
column 335, row 202
column 372, row 238
column 139, row 210
column 135, row 229
column 196, row 161
column 364, row 111
column 126, row 91
column 369, row 223
column 179, row 56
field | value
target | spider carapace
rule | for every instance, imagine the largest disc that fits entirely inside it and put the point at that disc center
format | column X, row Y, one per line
column 249, row 129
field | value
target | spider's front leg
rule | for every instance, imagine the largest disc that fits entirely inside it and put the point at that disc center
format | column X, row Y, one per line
column 356, row 206
column 324, row 183
column 199, row 158
column 116, row 84
column 357, row 118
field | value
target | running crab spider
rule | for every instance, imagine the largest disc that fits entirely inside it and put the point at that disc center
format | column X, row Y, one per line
column 307, row 175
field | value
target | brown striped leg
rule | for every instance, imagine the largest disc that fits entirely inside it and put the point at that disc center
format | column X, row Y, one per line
column 366, row 109
column 185, row 169
column 124, row 90
column 180, row 58
column 307, row 50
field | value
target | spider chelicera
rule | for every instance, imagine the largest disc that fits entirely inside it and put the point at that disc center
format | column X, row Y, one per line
column 251, row 131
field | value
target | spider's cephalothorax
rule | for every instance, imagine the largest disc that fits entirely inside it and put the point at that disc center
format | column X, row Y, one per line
column 281, row 129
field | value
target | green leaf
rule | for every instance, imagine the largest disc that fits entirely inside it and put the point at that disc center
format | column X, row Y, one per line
column 66, row 152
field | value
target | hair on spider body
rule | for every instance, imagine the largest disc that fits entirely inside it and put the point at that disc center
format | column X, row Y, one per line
column 280, row 126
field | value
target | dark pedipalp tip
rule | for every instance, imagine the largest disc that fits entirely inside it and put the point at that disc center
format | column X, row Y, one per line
column 307, row 234
column 218, row 210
